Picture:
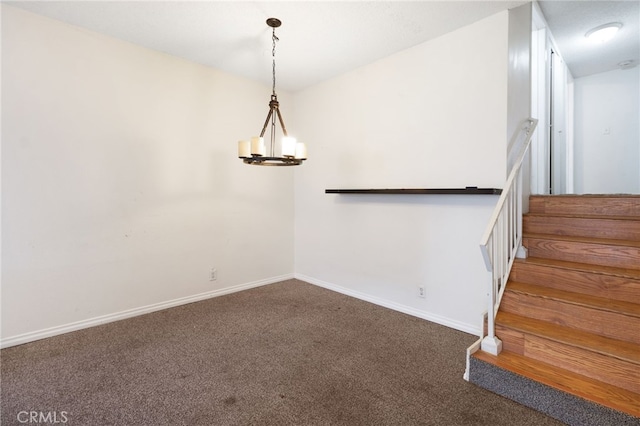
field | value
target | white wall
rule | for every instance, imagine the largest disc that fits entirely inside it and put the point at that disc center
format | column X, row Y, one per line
column 519, row 78
column 607, row 133
column 519, row 91
column 432, row 116
column 120, row 182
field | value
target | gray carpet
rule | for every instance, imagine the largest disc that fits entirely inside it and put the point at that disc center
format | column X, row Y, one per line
column 284, row 354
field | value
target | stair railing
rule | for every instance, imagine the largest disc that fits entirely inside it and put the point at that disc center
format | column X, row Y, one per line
column 503, row 238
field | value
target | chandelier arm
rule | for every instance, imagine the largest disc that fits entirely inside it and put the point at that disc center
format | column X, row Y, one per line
column 279, row 114
column 274, row 109
column 266, row 122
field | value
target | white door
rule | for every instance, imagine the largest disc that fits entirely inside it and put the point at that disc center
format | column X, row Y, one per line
column 558, row 128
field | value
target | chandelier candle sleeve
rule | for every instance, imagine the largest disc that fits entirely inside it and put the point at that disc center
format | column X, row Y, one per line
column 244, row 149
column 257, row 147
column 301, row 151
column 288, row 146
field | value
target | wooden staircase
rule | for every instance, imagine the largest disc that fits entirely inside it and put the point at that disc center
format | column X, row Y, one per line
column 570, row 314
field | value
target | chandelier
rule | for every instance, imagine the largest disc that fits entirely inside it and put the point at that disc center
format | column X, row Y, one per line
column 292, row 153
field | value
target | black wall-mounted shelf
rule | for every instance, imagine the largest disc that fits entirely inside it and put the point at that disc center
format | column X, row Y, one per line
column 469, row 190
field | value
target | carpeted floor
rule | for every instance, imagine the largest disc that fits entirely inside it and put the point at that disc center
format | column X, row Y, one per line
column 284, row 354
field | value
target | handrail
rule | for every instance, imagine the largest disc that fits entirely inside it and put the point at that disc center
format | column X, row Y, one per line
column 503, row 237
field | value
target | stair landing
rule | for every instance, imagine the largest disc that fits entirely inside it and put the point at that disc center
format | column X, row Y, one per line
column 566, row 396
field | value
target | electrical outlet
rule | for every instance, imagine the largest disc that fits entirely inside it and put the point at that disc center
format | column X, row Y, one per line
column 421, row 292
column 213, row 274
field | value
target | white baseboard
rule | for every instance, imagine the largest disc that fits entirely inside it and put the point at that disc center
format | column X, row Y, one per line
column 447, row 322
column 475, row 347
column 104, row 319
column 92, row 322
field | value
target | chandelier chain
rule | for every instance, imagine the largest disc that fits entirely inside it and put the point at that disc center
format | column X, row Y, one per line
column 273, row 56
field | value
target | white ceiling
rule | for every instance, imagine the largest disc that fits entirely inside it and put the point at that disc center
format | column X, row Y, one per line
column 320, row 40
column 569, row 21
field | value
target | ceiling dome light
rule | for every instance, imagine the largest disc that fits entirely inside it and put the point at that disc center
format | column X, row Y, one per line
column 603, row 33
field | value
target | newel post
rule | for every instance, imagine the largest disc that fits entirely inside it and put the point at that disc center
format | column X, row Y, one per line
column 490, row 343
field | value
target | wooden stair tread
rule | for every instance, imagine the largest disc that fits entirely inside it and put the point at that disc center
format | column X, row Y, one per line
column 617, row 306
column 595, row 226
column 587, row 204
column 588, row 240
column 604, row 345
column 579, row 216
column 583, row 267
column 560, row 196
column 567, row 381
